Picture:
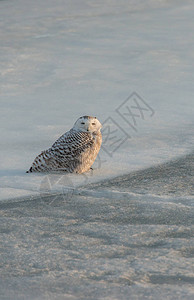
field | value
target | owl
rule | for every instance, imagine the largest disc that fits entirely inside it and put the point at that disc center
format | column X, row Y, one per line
column 75, row 151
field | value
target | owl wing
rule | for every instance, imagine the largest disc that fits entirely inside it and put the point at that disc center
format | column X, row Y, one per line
column 65, row 153
column 70, row 145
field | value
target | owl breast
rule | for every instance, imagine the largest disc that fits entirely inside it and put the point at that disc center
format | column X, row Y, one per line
column 88, row 157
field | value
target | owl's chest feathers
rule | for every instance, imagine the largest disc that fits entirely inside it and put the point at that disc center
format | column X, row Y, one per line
column 97, row 140
column 88, row 156
column 93, row 145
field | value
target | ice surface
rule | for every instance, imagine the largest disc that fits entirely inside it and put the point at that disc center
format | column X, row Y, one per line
column 98, row 244
column 93, row 236
column 64, row 59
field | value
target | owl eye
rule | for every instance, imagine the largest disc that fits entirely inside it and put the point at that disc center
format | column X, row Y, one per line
column 82, row 123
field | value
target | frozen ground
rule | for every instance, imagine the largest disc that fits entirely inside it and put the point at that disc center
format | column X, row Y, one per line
column 124, row 230
column 174, row 178
column 100, row 243
column 64, row 59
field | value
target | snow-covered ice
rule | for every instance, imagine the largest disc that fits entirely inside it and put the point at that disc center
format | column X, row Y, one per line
column 60, row 60
column 65, row 59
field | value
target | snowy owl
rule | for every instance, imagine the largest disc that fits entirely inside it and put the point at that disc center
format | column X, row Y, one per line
column 75, row 151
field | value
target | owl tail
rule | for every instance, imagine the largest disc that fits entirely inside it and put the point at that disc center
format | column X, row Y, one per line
column 30, row 170
column 40, row 164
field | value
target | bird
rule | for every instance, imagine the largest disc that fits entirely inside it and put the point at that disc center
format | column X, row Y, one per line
column 75, row 151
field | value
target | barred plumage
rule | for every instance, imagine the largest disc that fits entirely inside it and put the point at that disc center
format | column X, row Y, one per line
column 75, row 151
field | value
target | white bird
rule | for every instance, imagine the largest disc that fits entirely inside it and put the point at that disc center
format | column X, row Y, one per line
column 75, row 151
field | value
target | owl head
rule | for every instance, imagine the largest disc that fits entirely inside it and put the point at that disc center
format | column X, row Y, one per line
column 87, row 124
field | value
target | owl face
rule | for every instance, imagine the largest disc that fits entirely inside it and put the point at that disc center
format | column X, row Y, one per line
column 87, row 124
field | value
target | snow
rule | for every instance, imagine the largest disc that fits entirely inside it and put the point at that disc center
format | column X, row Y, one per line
column 97, row 246
column 60, row 61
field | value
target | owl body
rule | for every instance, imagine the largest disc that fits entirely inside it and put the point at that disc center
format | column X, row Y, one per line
column 75, row 151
